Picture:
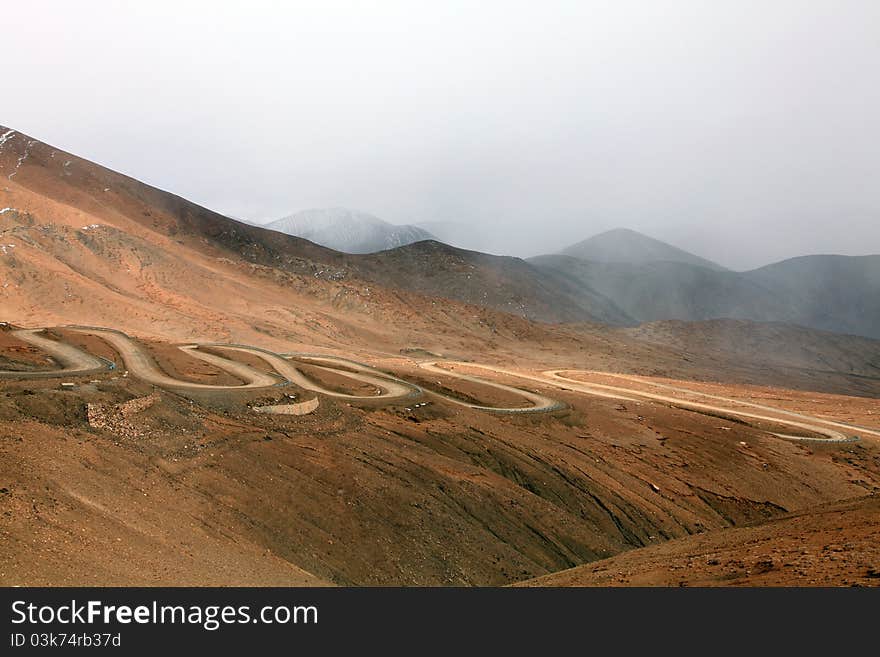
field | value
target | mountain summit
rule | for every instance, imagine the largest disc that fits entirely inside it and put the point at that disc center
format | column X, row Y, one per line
column 349, row 231
column 629, row 246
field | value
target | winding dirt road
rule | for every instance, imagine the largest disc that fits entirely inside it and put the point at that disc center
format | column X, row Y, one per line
column 391, row 389
column 540, row 403
column 73, row 361
column 728, row 400
column 805, row 422
column 811, row 424
column 142, row 365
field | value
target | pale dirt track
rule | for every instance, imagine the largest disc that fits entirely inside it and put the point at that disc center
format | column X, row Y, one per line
column 810, row 424
column 141, row 365
column 813, row 424
column 73, row 361
column 390, row 389
column 539, row 402
column 730, row 400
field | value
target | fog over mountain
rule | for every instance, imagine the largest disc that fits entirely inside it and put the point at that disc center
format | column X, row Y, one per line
column 625, row 245
column 648, row 280
column 742, row 131
column 349, row 231
column 470, row 236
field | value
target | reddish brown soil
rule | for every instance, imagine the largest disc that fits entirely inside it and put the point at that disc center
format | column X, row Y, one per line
column 336, row 365
column 89, row 512
column 862, row 411
column 467, row 391
column 834, row 545
column 90, row 343
column 178, row 364
column 18, row 355
column 251, row 360
column 336, row 382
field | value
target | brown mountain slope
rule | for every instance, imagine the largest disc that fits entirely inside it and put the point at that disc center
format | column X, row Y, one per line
column 82, row 244
column 794, row 356
column 76, row 191
column 194, row 488
column 834, row 545
column 501, row 282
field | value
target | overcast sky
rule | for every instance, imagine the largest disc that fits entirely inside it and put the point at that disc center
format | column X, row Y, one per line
column 744, row 131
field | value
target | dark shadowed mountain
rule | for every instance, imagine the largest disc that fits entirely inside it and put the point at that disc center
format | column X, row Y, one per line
column 665, row 290
column 831, row 293
column 629, row 246
column 500, row 282
column 828, row 292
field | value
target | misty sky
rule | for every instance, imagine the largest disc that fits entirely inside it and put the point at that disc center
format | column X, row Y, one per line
column 744, row 131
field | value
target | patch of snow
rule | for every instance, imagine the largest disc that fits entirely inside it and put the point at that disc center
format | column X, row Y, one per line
column 5, row 210
column 22, row 158
column 91, row 227
column 5, row 136
column 4, row 248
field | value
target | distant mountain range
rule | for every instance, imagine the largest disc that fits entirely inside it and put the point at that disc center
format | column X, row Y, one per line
column 620, row 278
column 648, row 280
column 499, row 282
column 349, row 231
